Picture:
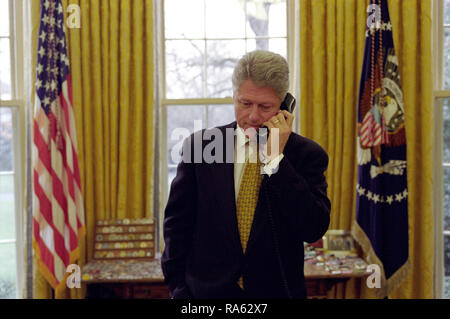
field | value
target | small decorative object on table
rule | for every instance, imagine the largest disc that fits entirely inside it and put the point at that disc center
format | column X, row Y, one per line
column 124, row 264
column 339, row 243
column 124, row 239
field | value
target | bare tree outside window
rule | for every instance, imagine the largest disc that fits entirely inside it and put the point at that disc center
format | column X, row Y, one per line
column 200, row 61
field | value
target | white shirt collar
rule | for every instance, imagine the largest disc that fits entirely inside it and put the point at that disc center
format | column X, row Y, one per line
column 241, row 139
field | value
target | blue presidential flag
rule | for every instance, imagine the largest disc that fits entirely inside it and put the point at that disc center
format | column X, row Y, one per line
column 381, row 225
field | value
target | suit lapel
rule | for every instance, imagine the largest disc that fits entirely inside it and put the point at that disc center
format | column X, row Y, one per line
column 222, row 182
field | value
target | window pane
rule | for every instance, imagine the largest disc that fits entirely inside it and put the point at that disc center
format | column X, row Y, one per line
column 276, row 45
column 7, row 207
column 446, row 119
column 6, row 140
column 446, row 58
column 5, row 70
column 222, row 58
column 447, row 198
column 447, row 266
column 4, row 18
column 279, row 46
column 184, row 19
column 7, row 271
column 446, row 203
column 225, row 19
column 257, row 44
column 184, row 69
column 219, row 115
column 180, row 124
column 171, row 173
column 447, row 11
column 266, row 18
column 278, row 19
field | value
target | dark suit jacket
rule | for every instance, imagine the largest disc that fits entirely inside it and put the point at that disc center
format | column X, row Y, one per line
column 203, row 257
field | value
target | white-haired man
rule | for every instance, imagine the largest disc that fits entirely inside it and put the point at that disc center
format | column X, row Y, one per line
column 236, row 229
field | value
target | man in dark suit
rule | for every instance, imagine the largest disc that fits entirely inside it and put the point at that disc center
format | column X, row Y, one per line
column 234, row 225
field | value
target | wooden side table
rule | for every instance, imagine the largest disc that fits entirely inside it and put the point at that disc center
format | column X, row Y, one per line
column 124, row 279
column 319, row 281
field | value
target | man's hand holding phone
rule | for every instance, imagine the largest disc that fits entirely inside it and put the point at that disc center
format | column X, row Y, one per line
column 282, row 122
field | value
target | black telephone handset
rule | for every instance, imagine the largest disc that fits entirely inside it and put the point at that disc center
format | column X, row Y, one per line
column 288, row 104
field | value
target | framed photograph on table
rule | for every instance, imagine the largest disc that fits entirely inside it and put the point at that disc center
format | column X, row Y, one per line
column 339, row 242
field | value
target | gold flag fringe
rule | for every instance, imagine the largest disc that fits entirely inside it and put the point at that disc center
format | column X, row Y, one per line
column 59, row 288
column 389, row 285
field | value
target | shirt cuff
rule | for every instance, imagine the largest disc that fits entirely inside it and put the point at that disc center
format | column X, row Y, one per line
column 272, row 166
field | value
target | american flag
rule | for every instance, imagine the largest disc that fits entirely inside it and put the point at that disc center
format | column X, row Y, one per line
column 58, row 213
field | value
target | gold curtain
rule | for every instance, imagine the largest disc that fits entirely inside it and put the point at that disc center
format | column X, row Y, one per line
column 112, row 70
column 331, row 55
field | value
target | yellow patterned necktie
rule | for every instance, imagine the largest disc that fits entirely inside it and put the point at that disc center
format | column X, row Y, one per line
column 246, row 202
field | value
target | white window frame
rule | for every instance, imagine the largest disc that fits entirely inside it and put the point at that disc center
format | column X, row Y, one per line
column 438, row 95
column 292, row 43
column 17, row 105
